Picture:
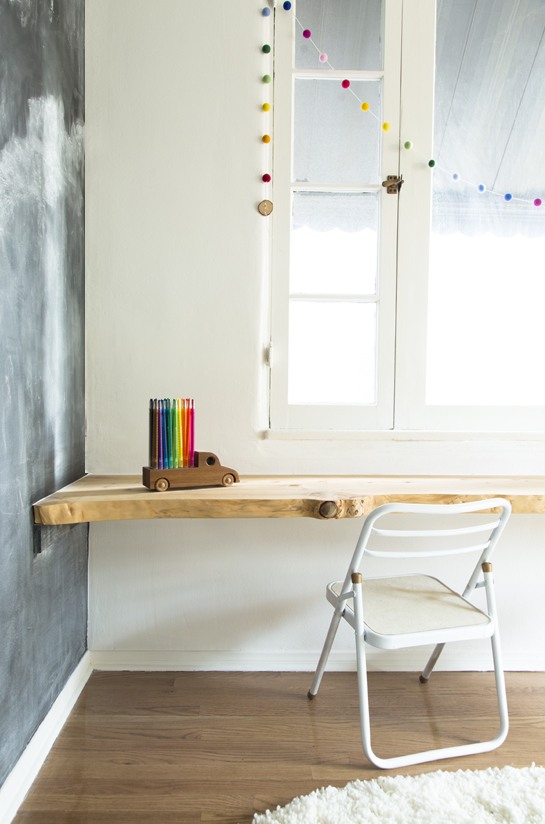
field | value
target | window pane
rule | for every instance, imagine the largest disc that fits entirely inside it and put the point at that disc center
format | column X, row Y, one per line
column 335, row 141
column 332, row 353
column 349, row 31
column 334, row 244
column 486, row 337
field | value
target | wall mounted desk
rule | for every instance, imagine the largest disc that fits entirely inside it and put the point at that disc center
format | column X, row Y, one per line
column 123, row 497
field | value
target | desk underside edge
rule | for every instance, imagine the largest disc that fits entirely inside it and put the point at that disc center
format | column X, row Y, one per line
column 159, row 506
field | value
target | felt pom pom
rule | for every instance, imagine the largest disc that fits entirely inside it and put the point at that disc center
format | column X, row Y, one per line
column 266, row 138
column 266, row 178
column 323, row 58
column 365, row 107
column 266, row 12
column 345, row 84
column 455, row 176
column 481, row 187
column 431, row 163
column 385, row 127
column 408, row 144
column 266, row 78
column 508, row 197
column 266, row 107
column 266, row 48
column 306, row 33
column 537, row 201
column 286, row 6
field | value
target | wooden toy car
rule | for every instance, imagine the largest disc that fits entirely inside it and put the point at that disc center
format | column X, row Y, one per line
column 207, row 471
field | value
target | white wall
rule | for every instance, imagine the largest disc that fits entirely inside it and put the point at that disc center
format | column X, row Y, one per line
column 177, row 304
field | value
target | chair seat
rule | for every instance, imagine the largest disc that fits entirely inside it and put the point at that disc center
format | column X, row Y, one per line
column 412, row 605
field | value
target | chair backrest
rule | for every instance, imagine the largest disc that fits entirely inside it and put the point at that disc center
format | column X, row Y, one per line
column 489, row 531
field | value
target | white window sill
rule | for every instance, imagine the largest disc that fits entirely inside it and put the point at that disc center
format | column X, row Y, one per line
column 396, row 435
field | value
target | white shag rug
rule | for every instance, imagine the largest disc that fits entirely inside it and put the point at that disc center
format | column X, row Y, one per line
column 508, row 795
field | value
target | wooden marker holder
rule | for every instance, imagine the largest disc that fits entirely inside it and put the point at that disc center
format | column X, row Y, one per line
column 207, row 471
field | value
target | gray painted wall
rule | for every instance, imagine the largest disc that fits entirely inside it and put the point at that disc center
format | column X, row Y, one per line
column 43, row 597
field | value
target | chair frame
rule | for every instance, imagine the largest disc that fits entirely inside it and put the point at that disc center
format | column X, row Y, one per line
column 352, row 588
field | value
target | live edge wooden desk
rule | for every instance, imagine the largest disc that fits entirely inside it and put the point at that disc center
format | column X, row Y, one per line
column 123, row 497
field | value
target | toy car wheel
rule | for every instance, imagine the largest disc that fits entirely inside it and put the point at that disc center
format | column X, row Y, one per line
column 161, row 485
column 228, row 480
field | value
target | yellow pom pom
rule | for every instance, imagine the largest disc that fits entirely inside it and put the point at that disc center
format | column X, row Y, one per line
column 385, row 127
column 365, row 107
column 266, row 107
column 266, row 138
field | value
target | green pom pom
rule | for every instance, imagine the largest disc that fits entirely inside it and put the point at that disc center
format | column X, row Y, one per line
column 266, row 49
column 431, row 164
column 408, row 144
column 266, row 78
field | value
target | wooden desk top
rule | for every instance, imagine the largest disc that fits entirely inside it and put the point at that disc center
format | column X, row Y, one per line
column 123, row 497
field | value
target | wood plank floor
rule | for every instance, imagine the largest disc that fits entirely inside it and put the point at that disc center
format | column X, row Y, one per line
column 181, row 748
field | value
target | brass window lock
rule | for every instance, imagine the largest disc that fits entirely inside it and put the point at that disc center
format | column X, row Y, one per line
column 393, row 184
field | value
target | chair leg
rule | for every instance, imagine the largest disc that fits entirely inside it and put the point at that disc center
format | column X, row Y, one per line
column 497, row 656
column 445, row 752
column 330, row 637
column 426, row 672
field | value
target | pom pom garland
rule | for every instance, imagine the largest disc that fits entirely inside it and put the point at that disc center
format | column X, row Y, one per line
column 266, row 178
column 266, row 48
column 266, row 138
column 323, row 58
column 266, row 107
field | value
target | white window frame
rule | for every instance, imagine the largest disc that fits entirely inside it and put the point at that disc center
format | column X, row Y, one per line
column 403, row 295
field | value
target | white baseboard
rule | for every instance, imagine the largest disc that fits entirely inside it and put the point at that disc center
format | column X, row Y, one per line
column 342, row 661
column 19, row 781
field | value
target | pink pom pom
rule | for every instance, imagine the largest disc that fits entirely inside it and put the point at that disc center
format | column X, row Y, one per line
column 323, row 58
column 306, row 33
column 345, row 84
column 266, row 178
column 537, row 201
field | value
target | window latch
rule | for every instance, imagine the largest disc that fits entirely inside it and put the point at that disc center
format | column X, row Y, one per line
column 393, row 184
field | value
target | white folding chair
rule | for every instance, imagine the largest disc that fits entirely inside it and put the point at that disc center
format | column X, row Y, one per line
column 410, row 610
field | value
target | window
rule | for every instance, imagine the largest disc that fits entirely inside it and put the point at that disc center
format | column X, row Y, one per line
column 423, row 310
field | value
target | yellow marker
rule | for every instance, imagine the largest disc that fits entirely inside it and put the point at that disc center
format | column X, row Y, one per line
column 180, row 439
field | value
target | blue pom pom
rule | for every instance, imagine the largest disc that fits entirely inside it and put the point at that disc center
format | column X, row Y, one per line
column 456, row 176
column 481, row 187
column 266, row 12
column 286, row 6
column 508, row 197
